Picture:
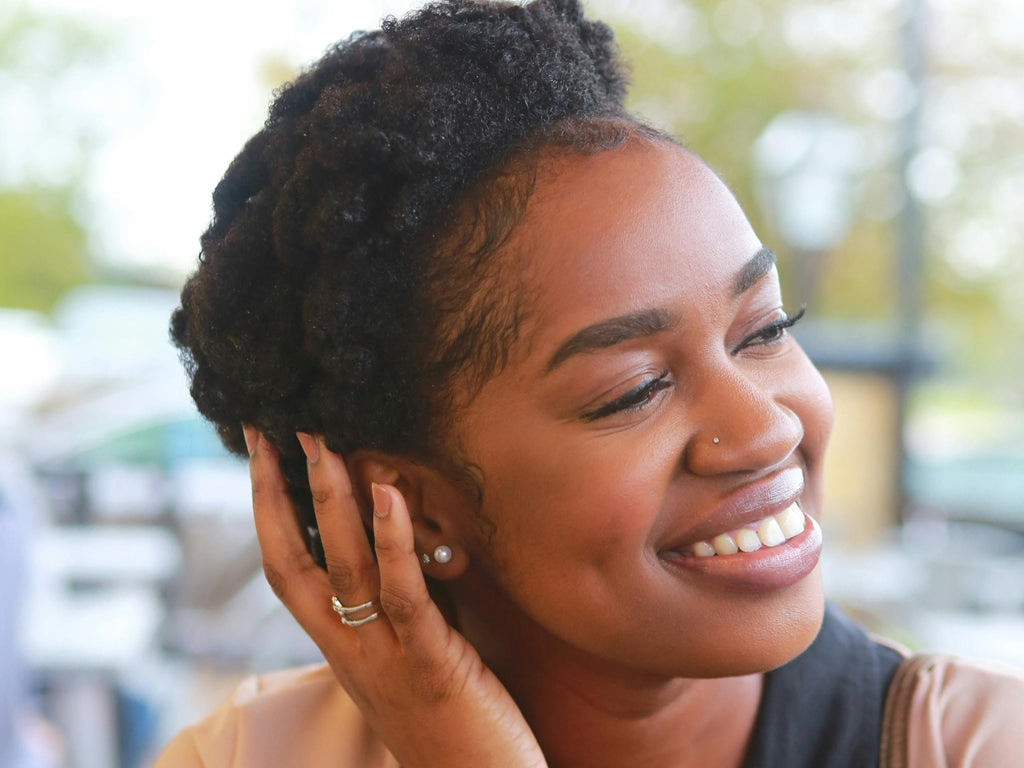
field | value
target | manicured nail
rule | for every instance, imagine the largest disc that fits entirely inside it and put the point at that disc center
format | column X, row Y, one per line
column 310, row 446
column 381, row 500
column 251, row 436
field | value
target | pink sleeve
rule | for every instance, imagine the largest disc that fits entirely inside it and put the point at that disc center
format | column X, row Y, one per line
column 967, row 714
column 296, row 717
column 180, row 753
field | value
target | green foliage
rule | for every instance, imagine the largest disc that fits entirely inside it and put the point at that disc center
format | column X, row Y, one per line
column 41, row 44
column 717, row 94
column 43, row 247
column 43, row 250
column 719, row 97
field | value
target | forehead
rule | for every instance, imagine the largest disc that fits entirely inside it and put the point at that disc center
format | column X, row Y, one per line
column 646, row 225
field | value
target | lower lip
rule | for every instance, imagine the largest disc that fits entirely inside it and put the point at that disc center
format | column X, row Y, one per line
column 766, row 570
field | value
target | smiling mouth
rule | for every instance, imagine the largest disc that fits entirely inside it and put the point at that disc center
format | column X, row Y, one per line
column 770, row 531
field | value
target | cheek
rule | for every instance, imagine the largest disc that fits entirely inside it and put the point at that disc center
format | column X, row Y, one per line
column 573, row 500
column 809, row 398
column 814, row 402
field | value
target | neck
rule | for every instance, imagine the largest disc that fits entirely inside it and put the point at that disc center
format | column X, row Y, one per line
column 588, row 713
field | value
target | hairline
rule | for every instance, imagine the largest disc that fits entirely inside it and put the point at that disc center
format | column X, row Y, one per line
column 523, row 165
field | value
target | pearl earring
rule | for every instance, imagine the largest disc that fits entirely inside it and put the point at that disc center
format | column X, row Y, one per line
column 442, row 555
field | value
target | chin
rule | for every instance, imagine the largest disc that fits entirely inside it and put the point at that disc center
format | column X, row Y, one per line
column 772, row 632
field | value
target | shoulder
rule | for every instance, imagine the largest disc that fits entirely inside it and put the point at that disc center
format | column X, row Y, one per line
column 292, row 717
column 965, row 714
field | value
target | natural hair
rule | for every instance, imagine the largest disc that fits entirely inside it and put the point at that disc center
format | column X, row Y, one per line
column 346, row 279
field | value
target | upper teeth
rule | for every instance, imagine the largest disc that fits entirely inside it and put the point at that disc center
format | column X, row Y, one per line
column 769, row 532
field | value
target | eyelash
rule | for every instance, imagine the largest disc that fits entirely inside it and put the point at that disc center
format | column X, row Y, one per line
column 771, row 333
column 634, row 400
column 640, row 396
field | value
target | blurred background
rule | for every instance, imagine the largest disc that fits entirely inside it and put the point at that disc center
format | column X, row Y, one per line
column 877, row 145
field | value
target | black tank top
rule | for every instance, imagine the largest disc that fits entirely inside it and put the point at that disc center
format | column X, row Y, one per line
column 824, row 708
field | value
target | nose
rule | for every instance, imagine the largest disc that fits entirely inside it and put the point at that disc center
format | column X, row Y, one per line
column 742, row 425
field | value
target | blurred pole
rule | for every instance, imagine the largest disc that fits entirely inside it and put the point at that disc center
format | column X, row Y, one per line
column 910, row 234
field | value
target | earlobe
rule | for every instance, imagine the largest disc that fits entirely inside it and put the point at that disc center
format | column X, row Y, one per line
column 444, row 563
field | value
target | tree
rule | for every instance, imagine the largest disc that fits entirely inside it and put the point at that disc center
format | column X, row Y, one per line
column 717, row 71
column 44, row 248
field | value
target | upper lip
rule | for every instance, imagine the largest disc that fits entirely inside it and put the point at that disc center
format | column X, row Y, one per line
column 748, row 504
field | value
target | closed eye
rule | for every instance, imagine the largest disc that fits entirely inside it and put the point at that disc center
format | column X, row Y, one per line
column 636, row 399
column 769, row 334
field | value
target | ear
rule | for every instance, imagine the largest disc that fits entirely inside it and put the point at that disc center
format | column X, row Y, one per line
column 442, row 513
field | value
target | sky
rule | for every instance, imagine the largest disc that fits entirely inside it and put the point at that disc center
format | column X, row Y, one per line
column 189, row 83
column 187, row 87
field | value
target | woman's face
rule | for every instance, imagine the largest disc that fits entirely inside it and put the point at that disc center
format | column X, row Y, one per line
column 652, row 402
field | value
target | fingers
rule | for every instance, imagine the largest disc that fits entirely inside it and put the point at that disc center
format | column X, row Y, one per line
column 351, row 569
column 354, row 575
column 291, row 571
column 417, row 622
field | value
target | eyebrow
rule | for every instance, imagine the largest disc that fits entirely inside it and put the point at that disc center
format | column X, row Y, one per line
column 753, row 271
column 608, row 333
column 647, row 322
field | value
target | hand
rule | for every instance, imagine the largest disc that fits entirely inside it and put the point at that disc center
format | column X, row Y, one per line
column 421, row 686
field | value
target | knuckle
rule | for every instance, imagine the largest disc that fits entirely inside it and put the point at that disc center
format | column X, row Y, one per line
column 302, row 563
column 275, row 579
column 259, row 488
column 435, row 683
column 321, row 495
column 263, row 487
column 388, row 548
column 343, row 577
column 399, row 605
column 383, row 546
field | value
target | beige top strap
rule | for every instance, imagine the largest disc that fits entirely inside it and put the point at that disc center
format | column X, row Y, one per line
column 947, row 711
column 298, row 717
column 894, row 749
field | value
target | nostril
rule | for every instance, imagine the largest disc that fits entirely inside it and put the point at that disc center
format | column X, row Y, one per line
column 750, row 440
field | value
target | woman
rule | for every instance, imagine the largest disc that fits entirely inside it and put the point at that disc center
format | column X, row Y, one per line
column 514, row 368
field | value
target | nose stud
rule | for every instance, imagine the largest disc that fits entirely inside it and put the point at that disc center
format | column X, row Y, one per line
column 716, row 441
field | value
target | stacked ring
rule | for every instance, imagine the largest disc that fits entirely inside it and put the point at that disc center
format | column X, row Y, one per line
column 346, row 611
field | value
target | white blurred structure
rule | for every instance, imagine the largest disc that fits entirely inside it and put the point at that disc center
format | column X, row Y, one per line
column 116, row 332
column 141, row 524
column 32, row 363
column 22, row 507
column 808, row 166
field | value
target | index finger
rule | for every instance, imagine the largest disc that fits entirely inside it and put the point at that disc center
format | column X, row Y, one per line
column 290, row 570
column 351, row 567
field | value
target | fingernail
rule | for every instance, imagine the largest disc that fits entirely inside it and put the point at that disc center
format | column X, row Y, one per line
column 381, row 500
column 310, row 446
column 250, row 435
